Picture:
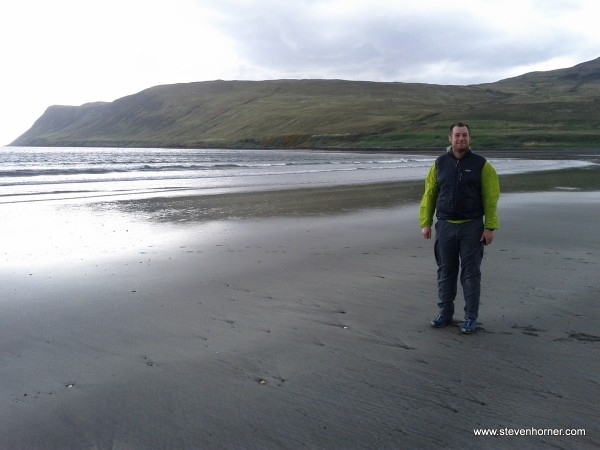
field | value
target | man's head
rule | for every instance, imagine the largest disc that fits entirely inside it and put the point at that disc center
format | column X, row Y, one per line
column 460, row 138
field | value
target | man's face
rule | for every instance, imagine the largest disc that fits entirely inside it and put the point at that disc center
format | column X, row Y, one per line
column 460, row 139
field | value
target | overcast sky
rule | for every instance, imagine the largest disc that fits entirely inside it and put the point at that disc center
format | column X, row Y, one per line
column 71, row 52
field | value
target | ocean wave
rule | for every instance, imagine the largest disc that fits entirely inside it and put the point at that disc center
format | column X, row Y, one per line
column 94, row 169
column 115, row 171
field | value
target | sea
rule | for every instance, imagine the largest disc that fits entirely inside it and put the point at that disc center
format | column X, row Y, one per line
column 60, row 208
column 29, row 174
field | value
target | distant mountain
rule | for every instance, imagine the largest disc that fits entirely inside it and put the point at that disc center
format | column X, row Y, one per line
column 558, row 108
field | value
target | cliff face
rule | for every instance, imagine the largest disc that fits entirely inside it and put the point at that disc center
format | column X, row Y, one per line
column 62, row 119
column 519, row 111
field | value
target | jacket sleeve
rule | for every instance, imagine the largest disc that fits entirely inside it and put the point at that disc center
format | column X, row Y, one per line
column 490, row 193
column 429, row 199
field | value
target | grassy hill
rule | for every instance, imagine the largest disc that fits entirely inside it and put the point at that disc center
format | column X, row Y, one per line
column 557, row 109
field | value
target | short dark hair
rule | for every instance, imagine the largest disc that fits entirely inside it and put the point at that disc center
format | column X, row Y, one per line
column 460, row 124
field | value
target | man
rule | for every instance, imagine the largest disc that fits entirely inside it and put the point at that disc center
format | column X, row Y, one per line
column 462, row 189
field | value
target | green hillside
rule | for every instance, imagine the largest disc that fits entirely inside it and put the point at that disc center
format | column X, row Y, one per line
column 557, row 108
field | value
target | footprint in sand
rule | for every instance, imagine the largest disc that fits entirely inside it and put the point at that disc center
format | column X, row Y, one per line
column 529, row 330
column 584, row 337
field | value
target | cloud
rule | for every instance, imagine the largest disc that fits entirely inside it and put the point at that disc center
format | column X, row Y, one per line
column 457, row 42
column 73, row 52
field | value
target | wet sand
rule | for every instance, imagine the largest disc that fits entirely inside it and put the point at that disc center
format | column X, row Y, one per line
column 304, row 331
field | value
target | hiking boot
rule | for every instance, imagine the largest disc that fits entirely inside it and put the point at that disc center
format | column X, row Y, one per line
column 441, row 321
column 469, row 326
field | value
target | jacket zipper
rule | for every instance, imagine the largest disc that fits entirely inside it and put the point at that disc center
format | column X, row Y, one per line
column 458, row 178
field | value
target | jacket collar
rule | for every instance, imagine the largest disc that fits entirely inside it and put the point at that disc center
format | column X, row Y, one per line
column 467, row 153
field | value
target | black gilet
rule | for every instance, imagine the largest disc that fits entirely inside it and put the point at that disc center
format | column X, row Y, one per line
column 459, row 186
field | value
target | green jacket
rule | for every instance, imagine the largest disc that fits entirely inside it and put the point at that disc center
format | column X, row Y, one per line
column 490, row 193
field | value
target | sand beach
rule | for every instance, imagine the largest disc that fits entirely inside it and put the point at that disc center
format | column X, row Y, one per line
column 296, row 319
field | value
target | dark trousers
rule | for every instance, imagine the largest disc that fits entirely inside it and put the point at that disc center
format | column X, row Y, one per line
column 459, row 247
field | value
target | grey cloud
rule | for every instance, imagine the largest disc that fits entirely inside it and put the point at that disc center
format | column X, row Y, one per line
column 292, row 39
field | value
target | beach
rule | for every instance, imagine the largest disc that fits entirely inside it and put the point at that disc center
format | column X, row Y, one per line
column 190, row 324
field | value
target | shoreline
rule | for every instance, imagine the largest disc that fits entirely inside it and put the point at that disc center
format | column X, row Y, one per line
column 104, row 187
column 338, row 199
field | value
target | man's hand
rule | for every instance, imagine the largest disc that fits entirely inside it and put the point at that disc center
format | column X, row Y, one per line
column 426, row 232
column 487, row 237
